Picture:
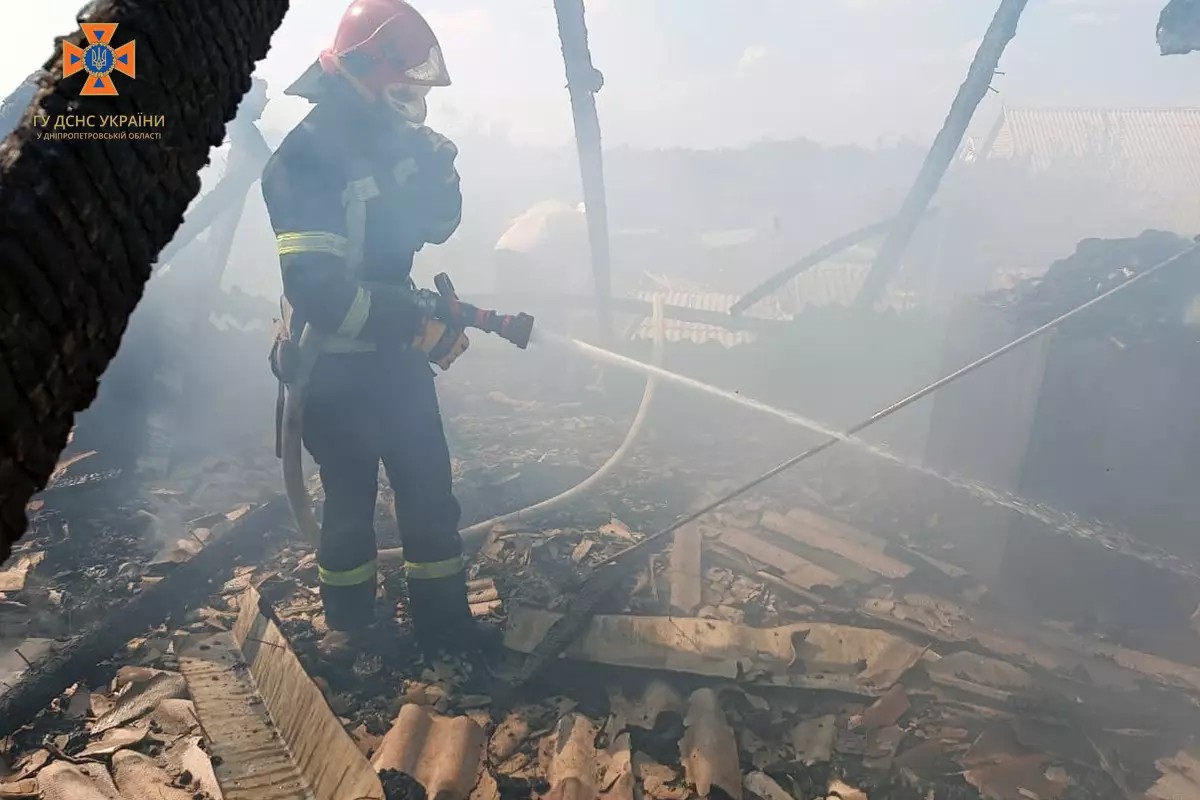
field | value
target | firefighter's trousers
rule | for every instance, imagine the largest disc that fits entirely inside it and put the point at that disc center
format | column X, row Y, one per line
column 361, row 409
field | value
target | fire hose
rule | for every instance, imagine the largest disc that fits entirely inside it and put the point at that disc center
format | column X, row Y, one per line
column 293, row 475
column 514, row 328
column 474, row 533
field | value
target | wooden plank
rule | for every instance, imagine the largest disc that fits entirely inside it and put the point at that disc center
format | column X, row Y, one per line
column 821, row 537
column 796, row 570
column 838, row 528
column 684, row 571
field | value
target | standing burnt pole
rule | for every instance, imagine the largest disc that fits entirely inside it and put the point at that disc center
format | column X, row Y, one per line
column 583, row 81
column 941, row 153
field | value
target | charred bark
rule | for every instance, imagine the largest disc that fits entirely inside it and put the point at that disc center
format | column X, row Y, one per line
column 941, row 153
column 82, row 220
column 1179, row 28
column 15, row 104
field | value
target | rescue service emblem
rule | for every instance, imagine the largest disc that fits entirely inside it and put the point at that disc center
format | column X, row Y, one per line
column 99, row 59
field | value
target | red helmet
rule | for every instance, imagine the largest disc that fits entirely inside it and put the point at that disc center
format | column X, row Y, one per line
column 383, row 43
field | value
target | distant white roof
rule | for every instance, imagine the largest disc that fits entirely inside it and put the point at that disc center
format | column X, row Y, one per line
column 1151, row 153
column 545, row 224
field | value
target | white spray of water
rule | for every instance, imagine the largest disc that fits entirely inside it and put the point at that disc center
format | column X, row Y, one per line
column 1055, row 519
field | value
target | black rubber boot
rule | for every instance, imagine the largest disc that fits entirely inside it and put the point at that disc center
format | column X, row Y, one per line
column 440, row 615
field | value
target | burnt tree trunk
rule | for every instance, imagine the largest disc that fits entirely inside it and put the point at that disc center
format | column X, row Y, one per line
column 1179, row 28
column 941, row 153
column 15, row 104
column 83, row 219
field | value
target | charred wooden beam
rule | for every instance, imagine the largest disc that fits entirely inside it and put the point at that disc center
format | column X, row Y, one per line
column 941, row 153
column 189, row 584
column 822, row 253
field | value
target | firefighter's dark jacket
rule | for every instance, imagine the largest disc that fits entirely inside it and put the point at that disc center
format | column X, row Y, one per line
column 351, row 200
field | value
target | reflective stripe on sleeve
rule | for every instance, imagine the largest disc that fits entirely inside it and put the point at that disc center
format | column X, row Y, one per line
column 311, row 242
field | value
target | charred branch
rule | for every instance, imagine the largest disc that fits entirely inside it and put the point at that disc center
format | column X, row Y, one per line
column 941, row 153
column 1179, row 28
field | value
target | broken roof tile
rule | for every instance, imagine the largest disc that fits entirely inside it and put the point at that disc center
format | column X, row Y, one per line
column 814, row 739
column 618, row 782
column 658, row 698
column 763, row 785
column 570, row 759
column 443, row 754
column 834, row 657
column 885, row 711
column 138, row 776
column 708, row 748
column 1180, row 777
column 684, row 570
column 13, row 578
column 65, row 781
column 512, row 731
column 659, row 781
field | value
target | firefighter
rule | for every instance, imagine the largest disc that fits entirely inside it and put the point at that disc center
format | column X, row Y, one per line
column 353, row 192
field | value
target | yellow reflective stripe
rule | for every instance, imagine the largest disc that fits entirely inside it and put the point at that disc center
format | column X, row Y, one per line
column 356, row 316
column 430, row 570
column 311, row 242
column 348, row 577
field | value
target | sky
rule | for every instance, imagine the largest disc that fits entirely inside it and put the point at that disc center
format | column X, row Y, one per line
column 725, row 73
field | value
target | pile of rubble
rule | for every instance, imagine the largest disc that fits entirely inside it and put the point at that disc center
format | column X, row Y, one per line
column 1154, row 311
column 771, row 652
column 768, row 655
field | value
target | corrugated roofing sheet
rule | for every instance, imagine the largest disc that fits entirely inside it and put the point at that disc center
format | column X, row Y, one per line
column 1154, row 153
column 832, row 284
column 677, row 330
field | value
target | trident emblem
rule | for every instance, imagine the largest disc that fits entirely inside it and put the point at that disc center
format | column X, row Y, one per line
column 99, row 59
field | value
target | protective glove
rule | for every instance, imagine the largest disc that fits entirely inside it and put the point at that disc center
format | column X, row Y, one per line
column 440, row 336
column 441, row 344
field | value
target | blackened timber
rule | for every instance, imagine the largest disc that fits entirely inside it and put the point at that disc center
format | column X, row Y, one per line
column 246, row 542
column 941, row 153
column 822, row 253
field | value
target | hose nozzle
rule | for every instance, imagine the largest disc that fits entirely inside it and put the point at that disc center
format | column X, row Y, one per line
column 515, row 328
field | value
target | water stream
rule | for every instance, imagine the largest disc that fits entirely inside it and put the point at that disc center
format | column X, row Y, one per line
column 1055, row 519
